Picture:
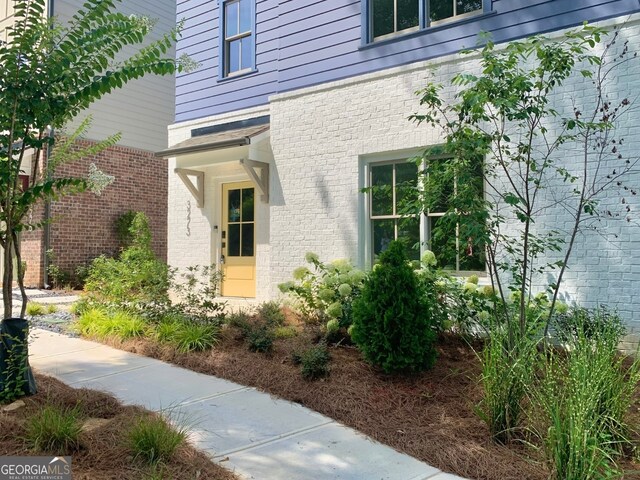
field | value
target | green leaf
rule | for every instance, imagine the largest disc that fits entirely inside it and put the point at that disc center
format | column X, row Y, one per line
column 511, row 199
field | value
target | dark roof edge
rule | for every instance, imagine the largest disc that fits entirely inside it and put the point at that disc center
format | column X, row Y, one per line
column 225, row 127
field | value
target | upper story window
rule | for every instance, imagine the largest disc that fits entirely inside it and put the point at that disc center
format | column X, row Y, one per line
column 390, row 17
column 238, row 48
column 443, row 10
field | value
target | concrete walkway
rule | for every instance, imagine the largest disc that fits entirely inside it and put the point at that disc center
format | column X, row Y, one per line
column 250, row 432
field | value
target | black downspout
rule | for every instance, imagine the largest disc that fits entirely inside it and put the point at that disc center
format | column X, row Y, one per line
column 47, row 205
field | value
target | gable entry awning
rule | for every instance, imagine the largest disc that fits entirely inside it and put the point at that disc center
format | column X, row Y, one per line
column 223, row 136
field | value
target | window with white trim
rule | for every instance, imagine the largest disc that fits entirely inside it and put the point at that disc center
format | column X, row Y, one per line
column 238, row 37
column 392, row 185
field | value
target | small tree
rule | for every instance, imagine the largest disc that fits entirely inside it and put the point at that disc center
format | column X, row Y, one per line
column 507, row 115
column 394, row 323
column 50, row 73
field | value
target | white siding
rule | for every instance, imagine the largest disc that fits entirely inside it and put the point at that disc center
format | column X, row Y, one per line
column 6, row 18
column 142, row 109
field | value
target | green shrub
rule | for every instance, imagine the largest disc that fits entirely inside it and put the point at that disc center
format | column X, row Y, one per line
column 52, row 308
column 240, row 320
column 136, row 277
column 57, row 277
column 260, row 339
column 271, row 313
column 153, row 440
column 572, row 323
column 197, row 289
column 81, row 274
column 285, row 332
column 327, row 291
column 393, row 323
column 465, row 308
column 80, row 306
column 54, row 430
column 195, row 337
column 123, row 229
column 314, row 362
column 34, row 308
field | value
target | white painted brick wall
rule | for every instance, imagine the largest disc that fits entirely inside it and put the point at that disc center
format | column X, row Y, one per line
column 319, row 136
column 189, row 232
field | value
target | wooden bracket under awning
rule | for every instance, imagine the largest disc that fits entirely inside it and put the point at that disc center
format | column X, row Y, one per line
column 261, row 180
column 196, row 190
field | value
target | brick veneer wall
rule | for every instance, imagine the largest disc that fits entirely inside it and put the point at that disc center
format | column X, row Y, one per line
column 83, row 225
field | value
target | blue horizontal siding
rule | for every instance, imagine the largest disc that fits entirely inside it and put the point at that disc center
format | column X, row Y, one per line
column 302, row 43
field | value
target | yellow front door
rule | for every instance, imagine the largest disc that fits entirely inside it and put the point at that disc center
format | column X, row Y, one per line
column 238, row 240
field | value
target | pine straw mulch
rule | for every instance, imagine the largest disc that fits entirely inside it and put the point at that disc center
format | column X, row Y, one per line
column 103, row 454
column 430, row 416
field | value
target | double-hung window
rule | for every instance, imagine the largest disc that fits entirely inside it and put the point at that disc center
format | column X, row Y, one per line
column 387, row 18
column 238, row 45
column 392, row 186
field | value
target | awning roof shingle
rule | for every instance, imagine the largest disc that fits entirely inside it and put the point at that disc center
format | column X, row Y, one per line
column 214, row 141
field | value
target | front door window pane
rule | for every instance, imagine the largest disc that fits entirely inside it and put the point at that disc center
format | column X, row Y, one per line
column 234, row 240
column 247, row 239
column 407, row 16
column 247, row 204
column 240, row 219
column 234, row 206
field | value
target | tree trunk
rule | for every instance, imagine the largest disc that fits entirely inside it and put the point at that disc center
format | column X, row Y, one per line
column 7, row 279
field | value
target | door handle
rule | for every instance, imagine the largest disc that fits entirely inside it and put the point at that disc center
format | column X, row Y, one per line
column 221, row 259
